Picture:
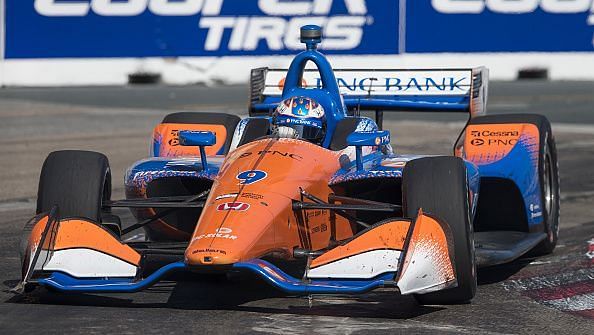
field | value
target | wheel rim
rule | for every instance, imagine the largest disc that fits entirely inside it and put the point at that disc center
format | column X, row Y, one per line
column 550, row 196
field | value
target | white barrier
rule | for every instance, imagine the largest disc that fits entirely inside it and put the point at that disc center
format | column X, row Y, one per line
column 236, row 70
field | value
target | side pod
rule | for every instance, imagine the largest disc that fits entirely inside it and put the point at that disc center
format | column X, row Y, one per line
column 76, row 247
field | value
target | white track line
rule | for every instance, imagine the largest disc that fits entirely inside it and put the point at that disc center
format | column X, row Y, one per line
column 575, row 303
column 552, row 280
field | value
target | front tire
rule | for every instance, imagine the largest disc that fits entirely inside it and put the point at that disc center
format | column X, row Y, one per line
column 78, row 182
column 439, row 186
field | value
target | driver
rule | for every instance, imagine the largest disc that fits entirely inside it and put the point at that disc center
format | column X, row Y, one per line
column 300, row 117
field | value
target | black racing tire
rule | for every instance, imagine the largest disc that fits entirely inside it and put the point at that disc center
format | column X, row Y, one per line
column 439, row 186
column 548, row 174
column 78, row 182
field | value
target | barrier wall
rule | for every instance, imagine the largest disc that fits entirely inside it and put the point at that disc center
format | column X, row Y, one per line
column 75, row 42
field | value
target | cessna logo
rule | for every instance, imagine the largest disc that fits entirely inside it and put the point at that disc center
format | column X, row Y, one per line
column 488, row 133
column 233, row 206
column 277, row 25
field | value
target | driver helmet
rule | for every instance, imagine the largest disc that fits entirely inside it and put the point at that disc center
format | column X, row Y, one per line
column 300, row 117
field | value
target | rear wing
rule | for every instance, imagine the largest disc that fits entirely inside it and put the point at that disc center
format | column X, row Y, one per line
column 447, row 90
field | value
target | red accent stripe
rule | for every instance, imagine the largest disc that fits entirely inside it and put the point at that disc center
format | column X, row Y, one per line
column 560, row 292
column 589, row 313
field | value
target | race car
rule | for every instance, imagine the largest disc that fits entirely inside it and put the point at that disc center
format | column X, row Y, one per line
column 306, row 193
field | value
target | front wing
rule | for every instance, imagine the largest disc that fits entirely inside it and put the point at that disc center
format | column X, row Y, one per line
column 76, row 255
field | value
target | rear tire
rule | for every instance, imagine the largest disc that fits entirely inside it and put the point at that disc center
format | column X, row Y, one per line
column 438, row 185
column 78, row 182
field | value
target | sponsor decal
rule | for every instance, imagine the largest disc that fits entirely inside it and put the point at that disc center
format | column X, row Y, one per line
column 319, row 229
column 233, row 206
column 251, row 176
column 535, row 211
column 384, row 82
column 225, row 196
column 222, row 232
column 254, row 196
column 477, row 141
column 217, row 251
column 305, row 122
column 315, row 213
column 273, row 153
column 281, row 83
column 497, row 138
column 174, row 140
column 489, row 133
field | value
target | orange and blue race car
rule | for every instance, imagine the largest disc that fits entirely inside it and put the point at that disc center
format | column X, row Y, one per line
column 306, row 193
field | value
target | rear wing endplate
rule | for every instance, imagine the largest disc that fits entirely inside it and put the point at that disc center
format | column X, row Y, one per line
column 447, row 90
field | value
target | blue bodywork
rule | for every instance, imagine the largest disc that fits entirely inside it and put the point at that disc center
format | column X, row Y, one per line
column 273, row 275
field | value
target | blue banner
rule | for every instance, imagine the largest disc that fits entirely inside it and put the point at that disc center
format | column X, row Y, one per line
column 499, row 25
column 168, row 28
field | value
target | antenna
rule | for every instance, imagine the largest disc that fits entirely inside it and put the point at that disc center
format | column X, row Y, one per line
column 311, row 35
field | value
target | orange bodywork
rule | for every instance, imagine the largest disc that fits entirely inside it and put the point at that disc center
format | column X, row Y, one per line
column 429, row 242
column 79, row 233
column 244, row 220
column 389, row 235
column 167, row 135
column 488, row 143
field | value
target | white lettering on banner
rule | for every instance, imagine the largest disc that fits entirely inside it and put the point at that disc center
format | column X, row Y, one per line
column 118, row 8
column 216, row 26
column 565, row 6
column 163, row 7
column 308, row 7
column 53, row 8
column 512, row 6
column 458, row 6
column 341, row 32
column 516, row 7
column 190, row 7
column 270, row 29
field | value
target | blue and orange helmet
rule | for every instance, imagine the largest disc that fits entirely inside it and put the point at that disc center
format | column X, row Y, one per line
column 303, row 114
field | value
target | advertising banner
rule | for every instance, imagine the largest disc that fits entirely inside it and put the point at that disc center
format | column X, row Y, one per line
column 168, row 28
column 499, row 25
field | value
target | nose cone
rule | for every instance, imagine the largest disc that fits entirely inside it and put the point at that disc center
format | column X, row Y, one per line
column 226, row 235
column 204, row 249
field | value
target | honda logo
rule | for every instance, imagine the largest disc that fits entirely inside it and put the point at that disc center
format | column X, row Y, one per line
column 233, row 206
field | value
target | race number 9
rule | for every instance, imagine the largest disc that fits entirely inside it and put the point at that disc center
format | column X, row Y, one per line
column 251, row 176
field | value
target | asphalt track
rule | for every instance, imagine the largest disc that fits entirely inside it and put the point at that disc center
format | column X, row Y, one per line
column 553, row 294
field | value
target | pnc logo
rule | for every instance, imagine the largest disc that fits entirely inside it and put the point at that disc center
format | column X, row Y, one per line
column 477, row 141
column 281, row 83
